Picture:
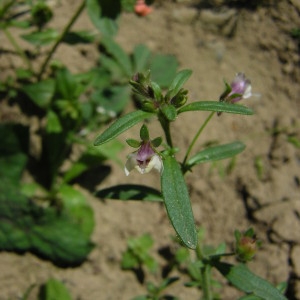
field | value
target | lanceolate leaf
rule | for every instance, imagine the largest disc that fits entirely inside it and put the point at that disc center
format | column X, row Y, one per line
column 217, row 107
column 242, row 278
column 121, row 125
column 217, row 153
column 177, row 202
column 119, row 55
column 178, row 82
column 41, row 38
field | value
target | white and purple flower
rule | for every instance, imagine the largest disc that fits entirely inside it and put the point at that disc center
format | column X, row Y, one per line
column 241, row 87
column 144, row 160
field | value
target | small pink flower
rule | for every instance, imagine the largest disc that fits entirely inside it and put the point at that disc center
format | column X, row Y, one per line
column 141, row 8
column 241, row 86
column 144, row 160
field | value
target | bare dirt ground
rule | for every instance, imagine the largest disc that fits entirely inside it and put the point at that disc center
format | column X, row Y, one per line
column 215, row 44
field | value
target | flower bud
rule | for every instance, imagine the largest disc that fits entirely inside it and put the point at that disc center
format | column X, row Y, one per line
column 179, row 99
column 246, row 245
column 239, row 89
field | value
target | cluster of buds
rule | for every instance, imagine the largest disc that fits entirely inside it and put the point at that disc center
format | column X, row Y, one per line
column 246, row 244
column 146, row 157
column 150, row 94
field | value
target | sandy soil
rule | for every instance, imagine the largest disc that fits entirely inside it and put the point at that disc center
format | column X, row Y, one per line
column 215, row 44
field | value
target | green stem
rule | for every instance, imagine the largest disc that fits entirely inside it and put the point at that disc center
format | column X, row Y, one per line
column 60, row 38
column 18, row 49
column 165, row 124
column 196, row 137
column 205, row 274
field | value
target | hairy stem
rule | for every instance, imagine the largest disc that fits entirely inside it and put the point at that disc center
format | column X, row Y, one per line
column 60, row 38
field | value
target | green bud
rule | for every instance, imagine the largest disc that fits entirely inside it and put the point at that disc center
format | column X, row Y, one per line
column 148, row 106
column 246, row 244
column 180, row 98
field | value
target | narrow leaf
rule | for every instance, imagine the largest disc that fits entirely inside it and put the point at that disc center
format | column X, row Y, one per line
column 41, row 38
column 242, row 278
column 178, row 82
column 216, row 106
column 130, row 192
column 119, row 55
column 177, row 202
column 217, row 153
column 121, row 125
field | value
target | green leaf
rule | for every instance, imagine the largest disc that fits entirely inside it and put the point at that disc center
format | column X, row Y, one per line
column 54, row 235
column 94, row 12
column 217, row 107
column 169, row 112
column 103, row 14
column 111, row 150
column 121, row 125
column 66, row 84
column 91, row 158
column 41, row 38
column 41, row 92
column 53, row 290
column 141, row 56
column 217, row 153
column 130, row 192
column 168, row 281
column 12, row 158
column 157, row 90
column 178, row 82
column 177, row 202
column 129, row 260
column 113, row 99
column 163, row 68
column 75, row 204
column 242, row 278
column 294, row 141
column 53, row 123
column 111, row 65
column 118, row 54
column 250, row 297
